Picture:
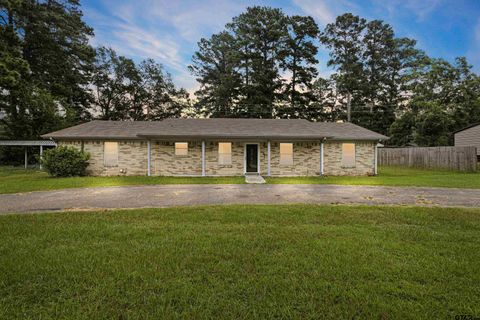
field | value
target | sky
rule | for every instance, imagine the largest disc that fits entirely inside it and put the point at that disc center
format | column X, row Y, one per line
column 168, row 30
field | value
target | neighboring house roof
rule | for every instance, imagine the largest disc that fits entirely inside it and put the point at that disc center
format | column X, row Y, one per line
column 468, row 127
column 216, row 128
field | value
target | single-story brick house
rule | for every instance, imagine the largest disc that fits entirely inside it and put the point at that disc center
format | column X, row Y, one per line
column 224, row 147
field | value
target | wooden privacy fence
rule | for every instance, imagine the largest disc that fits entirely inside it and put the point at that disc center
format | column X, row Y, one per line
column 453, row 158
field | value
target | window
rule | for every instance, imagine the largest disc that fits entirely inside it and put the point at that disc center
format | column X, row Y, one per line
column 224, row 153
column 110, row 154
column 348, row 154
column 181, row 148
column 286, row 154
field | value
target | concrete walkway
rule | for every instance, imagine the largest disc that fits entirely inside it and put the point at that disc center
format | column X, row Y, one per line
column 187, row 195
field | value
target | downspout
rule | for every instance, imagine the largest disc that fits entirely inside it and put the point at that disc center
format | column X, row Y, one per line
column 268, row 158
column 149, row 157
column 41, row 156
column 322, row 157
column 203, row 158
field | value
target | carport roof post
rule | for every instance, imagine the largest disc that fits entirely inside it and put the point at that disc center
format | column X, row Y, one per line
column 29, row 143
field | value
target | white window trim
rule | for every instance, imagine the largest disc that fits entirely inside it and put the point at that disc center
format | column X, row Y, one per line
column 175, row 149
column 104, row 158
column 354, row 156
column 229, row 163
column 284, row 163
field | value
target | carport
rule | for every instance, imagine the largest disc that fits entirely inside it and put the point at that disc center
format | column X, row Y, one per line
column 29, row 143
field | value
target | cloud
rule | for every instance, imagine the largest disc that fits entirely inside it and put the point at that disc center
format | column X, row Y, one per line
column 326, row 11
column 130, row 38
column 194, row 19
column 320, row 10
column 473, row 53
column 142, row 43
column 166, row 31
column 477, row 32
column 317, row 9
column 324, row 72
column 420, row 8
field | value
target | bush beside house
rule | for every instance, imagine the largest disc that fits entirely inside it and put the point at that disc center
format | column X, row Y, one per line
column 65, row 161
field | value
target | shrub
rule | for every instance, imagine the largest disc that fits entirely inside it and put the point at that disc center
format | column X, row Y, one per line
column 65, row 161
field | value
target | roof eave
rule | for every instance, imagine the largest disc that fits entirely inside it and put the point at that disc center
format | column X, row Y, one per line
column 360, row 138
column 231, row 137
column 90, row 137
column 215, row 137
column 468, row 127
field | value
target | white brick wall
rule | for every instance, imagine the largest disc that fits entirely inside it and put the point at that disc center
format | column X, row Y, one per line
column 132, row 158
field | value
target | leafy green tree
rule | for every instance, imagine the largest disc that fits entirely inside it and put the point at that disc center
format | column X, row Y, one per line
column 325, row 105
column 123, row 90
column 443, row 97
column 108, row 84
column 433, row 126
column 402, row 130
column 134, row 99
column 453, row 86
column 163, row 99
column 35, row 113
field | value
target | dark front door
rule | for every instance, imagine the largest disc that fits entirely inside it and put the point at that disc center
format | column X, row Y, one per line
column 252, row 158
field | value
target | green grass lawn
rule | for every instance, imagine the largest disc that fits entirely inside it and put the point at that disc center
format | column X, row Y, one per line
column 14, row 180
column 19, row 180
column 242, row 262
column 396, row 176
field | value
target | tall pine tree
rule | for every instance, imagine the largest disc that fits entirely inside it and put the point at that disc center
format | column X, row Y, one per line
column 56, row 45
column 262, row 32
column 216, row 66
column 344, row 39
column 300, row 62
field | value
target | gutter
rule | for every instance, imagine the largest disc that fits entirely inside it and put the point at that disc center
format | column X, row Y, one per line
column 223, row 137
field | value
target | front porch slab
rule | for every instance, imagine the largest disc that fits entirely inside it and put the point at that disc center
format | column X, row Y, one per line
column 254, row 178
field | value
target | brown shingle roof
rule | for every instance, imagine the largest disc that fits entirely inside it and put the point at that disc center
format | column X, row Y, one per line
column 348, row 131
column 216, row 128
column 104, row 130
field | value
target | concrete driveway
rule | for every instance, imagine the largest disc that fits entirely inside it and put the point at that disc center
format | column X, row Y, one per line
column 187, row 195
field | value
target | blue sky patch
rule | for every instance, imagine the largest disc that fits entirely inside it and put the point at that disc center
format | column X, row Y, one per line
column 168, row 31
